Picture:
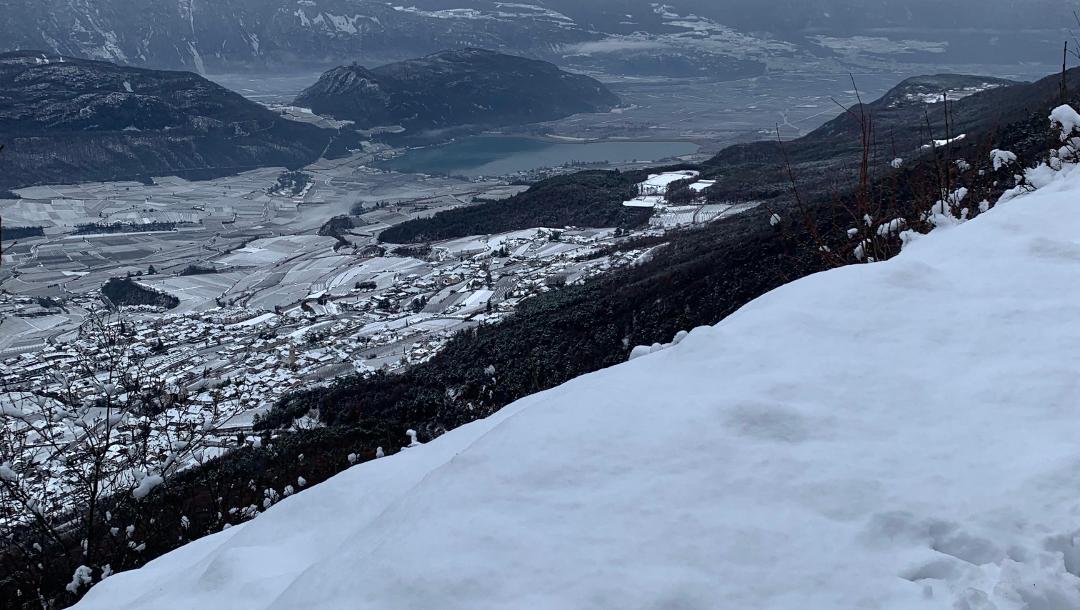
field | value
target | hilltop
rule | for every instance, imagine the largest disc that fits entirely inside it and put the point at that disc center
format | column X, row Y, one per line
column 66, row 120
column 468, row 87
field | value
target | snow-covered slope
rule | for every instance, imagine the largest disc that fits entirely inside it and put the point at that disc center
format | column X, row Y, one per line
column 894, row 436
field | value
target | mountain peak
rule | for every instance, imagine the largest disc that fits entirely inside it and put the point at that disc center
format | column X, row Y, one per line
column 934, row 88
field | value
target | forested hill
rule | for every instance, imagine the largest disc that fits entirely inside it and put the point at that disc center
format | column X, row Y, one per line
column 66, row 120
column 467, row 87
column 588, row 199
column 905, row 121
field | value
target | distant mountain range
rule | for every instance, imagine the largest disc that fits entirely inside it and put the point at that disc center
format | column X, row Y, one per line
column 214, row 35
column 450, row 89
column 717, row 38
column 65, row 120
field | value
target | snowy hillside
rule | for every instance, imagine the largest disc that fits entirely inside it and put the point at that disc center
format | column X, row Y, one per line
column 894, row 436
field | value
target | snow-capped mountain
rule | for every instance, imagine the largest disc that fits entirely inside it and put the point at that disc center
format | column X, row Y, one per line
column 204, row 35
column 898, row 436
column 706, row 37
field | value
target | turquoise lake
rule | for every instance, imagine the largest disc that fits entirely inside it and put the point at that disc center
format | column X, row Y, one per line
column 497, row 156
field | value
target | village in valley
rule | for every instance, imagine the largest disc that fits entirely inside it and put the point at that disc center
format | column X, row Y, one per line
column 258, row 299
column 233, row 293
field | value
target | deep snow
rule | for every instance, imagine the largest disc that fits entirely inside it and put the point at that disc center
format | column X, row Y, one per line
column 895, row 436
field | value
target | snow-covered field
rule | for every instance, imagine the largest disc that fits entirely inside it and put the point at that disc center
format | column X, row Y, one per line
column 895, row 436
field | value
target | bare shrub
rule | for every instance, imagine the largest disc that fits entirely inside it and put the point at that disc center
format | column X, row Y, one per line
column 91, row 433
column 889, row 201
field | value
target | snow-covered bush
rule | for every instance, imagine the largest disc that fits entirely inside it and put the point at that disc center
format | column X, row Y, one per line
column 1001, row 158
column 145, row 484
column 96, row 437
column 645, row 350
column 940, row 190
column 81, row 577
column 1067, row 119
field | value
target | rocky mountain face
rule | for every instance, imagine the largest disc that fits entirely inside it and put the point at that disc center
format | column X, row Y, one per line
column 264, row 33
column 68, row 120
column 715, row 38
column 470, row 87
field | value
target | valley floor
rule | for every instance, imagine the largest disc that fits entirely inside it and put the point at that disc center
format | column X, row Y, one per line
column 895, row 436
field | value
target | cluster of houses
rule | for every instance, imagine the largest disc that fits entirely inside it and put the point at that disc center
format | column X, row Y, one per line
column 653, row 192
column 231, row 363
column 692, row 208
